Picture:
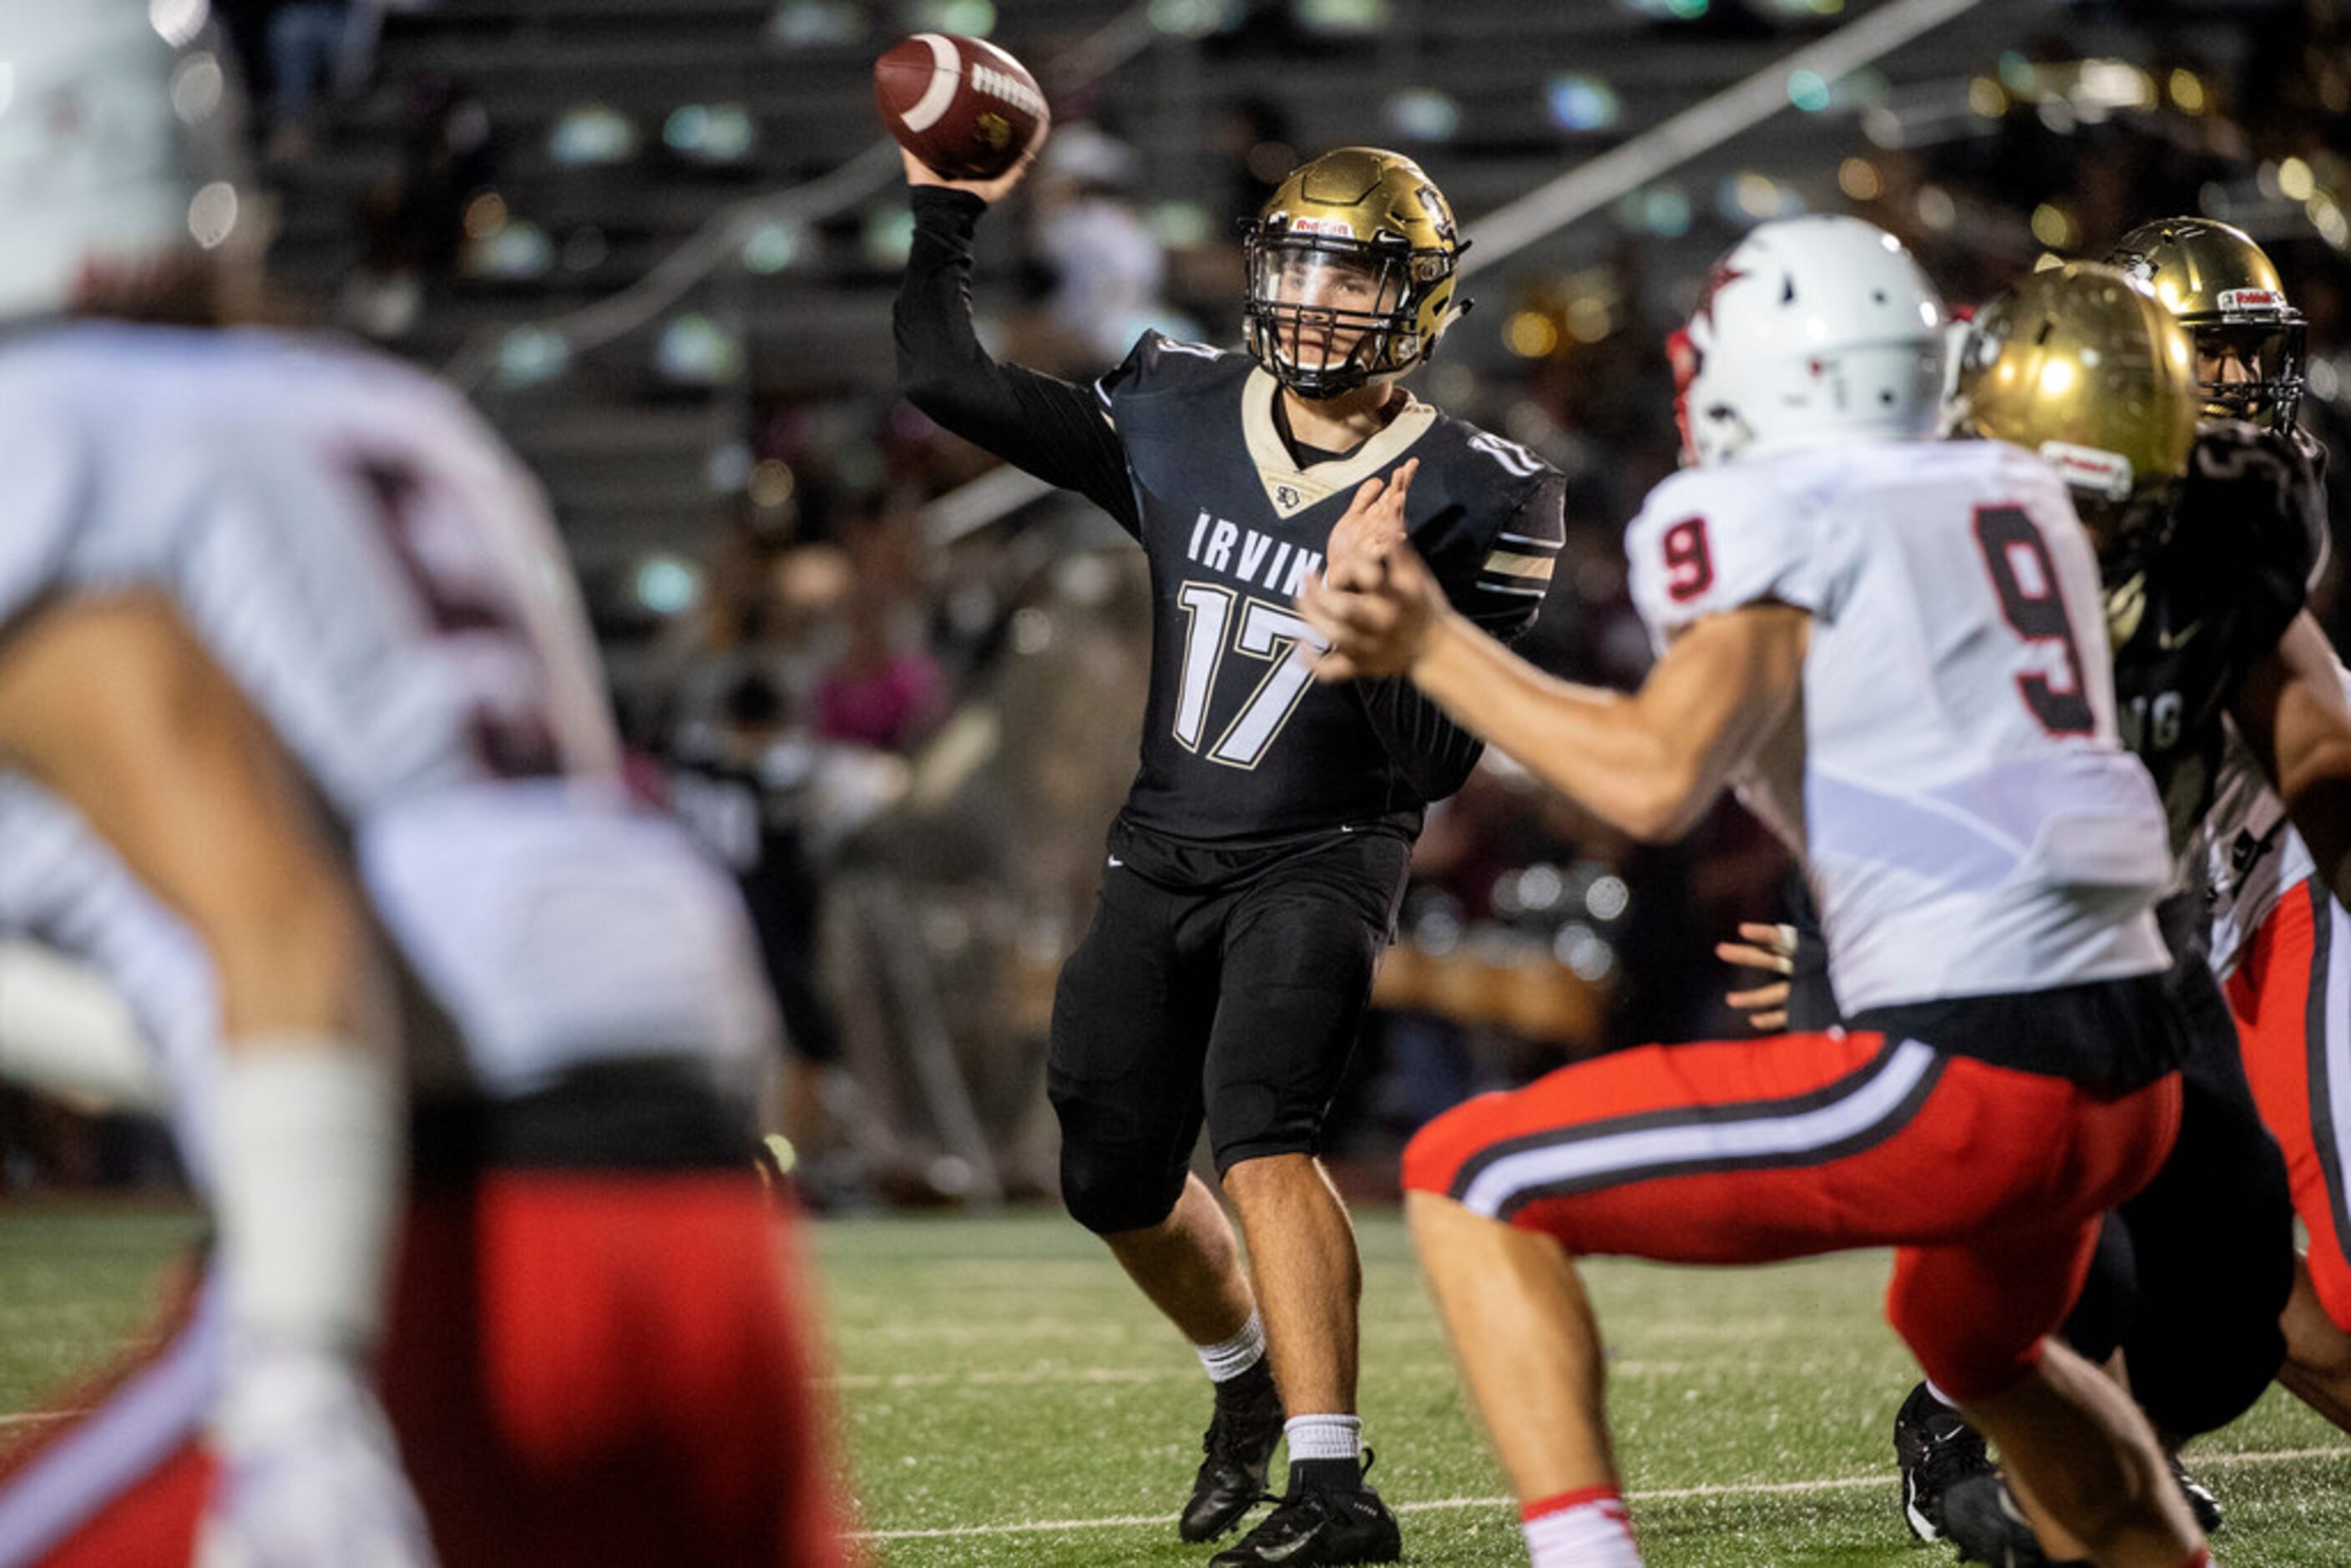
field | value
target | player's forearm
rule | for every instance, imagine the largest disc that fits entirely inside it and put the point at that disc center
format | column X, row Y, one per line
column 1039, row 423
column 2293, row 712
column 1592, row 745
column 945, row 371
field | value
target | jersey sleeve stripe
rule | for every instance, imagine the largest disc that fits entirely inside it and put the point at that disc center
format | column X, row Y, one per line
column 1537, row 542
column 1511, row 563
column 1527, row 590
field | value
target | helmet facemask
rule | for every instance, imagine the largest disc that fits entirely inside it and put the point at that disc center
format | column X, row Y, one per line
column 1327, row 315
column 2250, row 368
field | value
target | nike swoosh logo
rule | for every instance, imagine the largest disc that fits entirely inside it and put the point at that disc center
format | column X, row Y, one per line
column 2172, row 641
column 1115, row 862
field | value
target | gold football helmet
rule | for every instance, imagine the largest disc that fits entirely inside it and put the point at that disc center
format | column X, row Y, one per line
column 2081, row 364
column 1351, row 272
column 2223, row 287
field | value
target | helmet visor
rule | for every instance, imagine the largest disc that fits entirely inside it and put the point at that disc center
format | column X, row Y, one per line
column 1324, row 309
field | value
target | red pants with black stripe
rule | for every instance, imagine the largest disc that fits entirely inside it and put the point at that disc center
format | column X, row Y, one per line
column 2292, row 999
column 582, row 1368
column 1989, row 1181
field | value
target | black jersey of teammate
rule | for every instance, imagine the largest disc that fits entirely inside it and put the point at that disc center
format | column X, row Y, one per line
column 2192, row 605
column 1239, row 743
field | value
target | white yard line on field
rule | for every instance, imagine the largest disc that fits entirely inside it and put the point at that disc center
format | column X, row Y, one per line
column 860, row 1382
column 1668, row 1494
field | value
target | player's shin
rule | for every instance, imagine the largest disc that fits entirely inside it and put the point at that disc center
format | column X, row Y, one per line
column 1528, row 1349
column 2317, row 1369
column 2082, row 1459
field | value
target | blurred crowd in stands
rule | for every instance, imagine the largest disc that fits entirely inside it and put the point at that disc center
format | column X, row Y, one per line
column 907, row 740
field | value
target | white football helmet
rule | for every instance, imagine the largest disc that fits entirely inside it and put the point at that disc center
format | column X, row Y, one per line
column 120, row 141
column 1810, row 329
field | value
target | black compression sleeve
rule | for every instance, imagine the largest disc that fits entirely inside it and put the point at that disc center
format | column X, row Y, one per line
column 1047, row 427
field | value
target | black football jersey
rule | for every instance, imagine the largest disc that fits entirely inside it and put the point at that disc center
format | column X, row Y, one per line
column 2192, row 605
column 1240, row 746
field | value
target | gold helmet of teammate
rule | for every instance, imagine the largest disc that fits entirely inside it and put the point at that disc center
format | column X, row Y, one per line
column 2250, row 339
column 2081, row 364
column 1351, row 267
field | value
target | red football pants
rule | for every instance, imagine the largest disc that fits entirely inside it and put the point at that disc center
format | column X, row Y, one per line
column 1989, row 1181
column 582, row 1368
column 2291, row 995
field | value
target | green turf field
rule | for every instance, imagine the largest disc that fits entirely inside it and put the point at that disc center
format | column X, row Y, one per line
column 1010, row 1400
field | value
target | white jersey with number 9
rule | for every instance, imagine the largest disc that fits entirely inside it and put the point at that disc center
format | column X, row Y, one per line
column 1968, row 823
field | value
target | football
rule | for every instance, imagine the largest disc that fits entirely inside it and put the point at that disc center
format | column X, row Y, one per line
column 963, row 107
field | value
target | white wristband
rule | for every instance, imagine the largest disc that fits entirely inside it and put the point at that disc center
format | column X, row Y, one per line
column 65, row 1030
column 312, row 1157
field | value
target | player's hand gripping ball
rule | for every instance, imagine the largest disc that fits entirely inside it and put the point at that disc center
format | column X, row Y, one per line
column 963, row 107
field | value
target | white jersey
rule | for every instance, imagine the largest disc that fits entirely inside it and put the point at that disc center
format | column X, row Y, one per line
column 1967, row 821
column 379, row 575
column 2252, row 856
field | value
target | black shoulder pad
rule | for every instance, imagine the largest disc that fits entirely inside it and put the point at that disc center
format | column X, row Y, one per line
column 1157, row 362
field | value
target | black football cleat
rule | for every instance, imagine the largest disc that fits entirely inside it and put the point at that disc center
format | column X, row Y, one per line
column 1936, row 1451
column 1240, row 1445
column 1319, row 1525
column 2200, row 1501
column 1981, row 1519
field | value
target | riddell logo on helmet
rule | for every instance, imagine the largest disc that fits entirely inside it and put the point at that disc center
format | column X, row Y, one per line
column 2253, row 299
column 1327, row 229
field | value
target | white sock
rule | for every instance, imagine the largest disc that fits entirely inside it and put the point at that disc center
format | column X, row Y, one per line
column 1325, row 1437
column 313, row 1156
column 1227, row 1359
column 1588, row 1529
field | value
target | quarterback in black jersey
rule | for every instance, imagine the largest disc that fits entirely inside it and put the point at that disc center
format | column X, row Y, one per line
column 1255, row 870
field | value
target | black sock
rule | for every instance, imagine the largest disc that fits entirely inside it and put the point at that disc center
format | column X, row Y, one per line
column 1246, row 1389
column 1325, row 1475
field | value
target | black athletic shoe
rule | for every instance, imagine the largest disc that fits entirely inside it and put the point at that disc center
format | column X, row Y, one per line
column 2200, row 1501
column 1319, row 1525
column 1936, row 1450
column 1981, row 1519
column 1239, row 1444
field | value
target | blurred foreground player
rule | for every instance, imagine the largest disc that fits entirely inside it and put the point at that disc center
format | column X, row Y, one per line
column 308, row 754
column 1255, row 870
column 1891, row 646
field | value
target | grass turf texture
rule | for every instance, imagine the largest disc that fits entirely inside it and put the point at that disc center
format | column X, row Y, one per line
column 1010, row 1399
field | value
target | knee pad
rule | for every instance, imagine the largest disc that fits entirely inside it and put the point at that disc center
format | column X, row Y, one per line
column 1107, row 1200
column 1111, row 1184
